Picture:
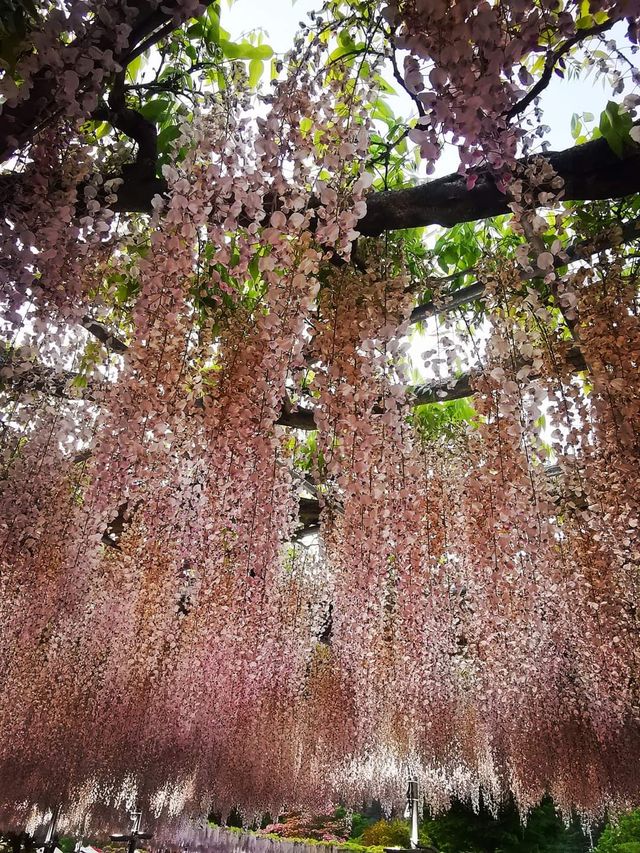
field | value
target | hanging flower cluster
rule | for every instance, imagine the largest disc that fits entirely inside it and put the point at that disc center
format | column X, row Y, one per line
column 468, row 67
column 466, row 609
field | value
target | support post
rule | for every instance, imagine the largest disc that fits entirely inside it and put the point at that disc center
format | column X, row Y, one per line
column 50, row 837
column 413, row 795
column 137, row 819
column 135, row 835
column 80, row 842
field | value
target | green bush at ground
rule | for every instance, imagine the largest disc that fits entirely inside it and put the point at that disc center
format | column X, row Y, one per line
column 622, row 836
column 359, row 823
column 386, row 833
column 461, row 830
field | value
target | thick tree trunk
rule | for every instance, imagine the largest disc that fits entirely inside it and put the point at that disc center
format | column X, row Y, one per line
column 591, row 171
column 21, row 122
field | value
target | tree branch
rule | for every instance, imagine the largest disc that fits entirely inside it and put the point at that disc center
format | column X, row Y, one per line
column 438, row 391
column 42, row 379
column 21, row 122
column 400, row 78
column 103, row 334
column 552, row 60
column 29, row 377
column 143, row 132
column 157, row 31
column 590, row 171
column 579, row 251
column 310, row 508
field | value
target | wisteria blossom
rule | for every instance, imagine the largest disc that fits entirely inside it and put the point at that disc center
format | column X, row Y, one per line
column 202, row 607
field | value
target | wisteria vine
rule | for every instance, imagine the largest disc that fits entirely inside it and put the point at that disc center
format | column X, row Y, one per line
column 463, row 606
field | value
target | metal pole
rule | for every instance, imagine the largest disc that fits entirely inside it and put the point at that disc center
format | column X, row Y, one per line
column 413, row 796
column 135, row 831
column 80, row 841
column 135, row 835
column 49, row 840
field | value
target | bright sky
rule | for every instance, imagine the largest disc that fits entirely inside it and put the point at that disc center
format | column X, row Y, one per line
column 279, row 18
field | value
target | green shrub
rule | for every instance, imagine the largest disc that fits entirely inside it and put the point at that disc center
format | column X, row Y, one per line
column 386, row 833
column 359, row 823
column 622, row 836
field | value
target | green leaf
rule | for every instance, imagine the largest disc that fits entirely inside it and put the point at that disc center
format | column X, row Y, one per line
column 166, row 136
column 196, row 30
column 154, row 109
column 245, row 50
column 342, row 50
column 382, row 110
column 213, row 32
column 256, row 69
column 614, row 127
column 585, row 22
column 103, row 129
column 134, row 68
column 345, row 39
column 170, row 71
column 230, row 49
column 262, row 51
column 384, row 86
column 576, row 126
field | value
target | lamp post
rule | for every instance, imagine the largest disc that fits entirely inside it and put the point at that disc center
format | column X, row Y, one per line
column 413, row 795
column 80, row 842
column 412, row 811
column 135, row 835
column 50, row 838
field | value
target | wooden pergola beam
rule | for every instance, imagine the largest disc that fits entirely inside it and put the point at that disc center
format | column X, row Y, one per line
column 42, row 379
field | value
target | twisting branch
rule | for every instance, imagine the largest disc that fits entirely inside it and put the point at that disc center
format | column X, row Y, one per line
column 310, row 514
column 398, row 74
column 24, row 377
column 552, row 60
column 20, row 123
column 160, row 33
column 103, row 334
column 42, row 379
column 579, row 251
column 438, row 391
column 134, row 125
